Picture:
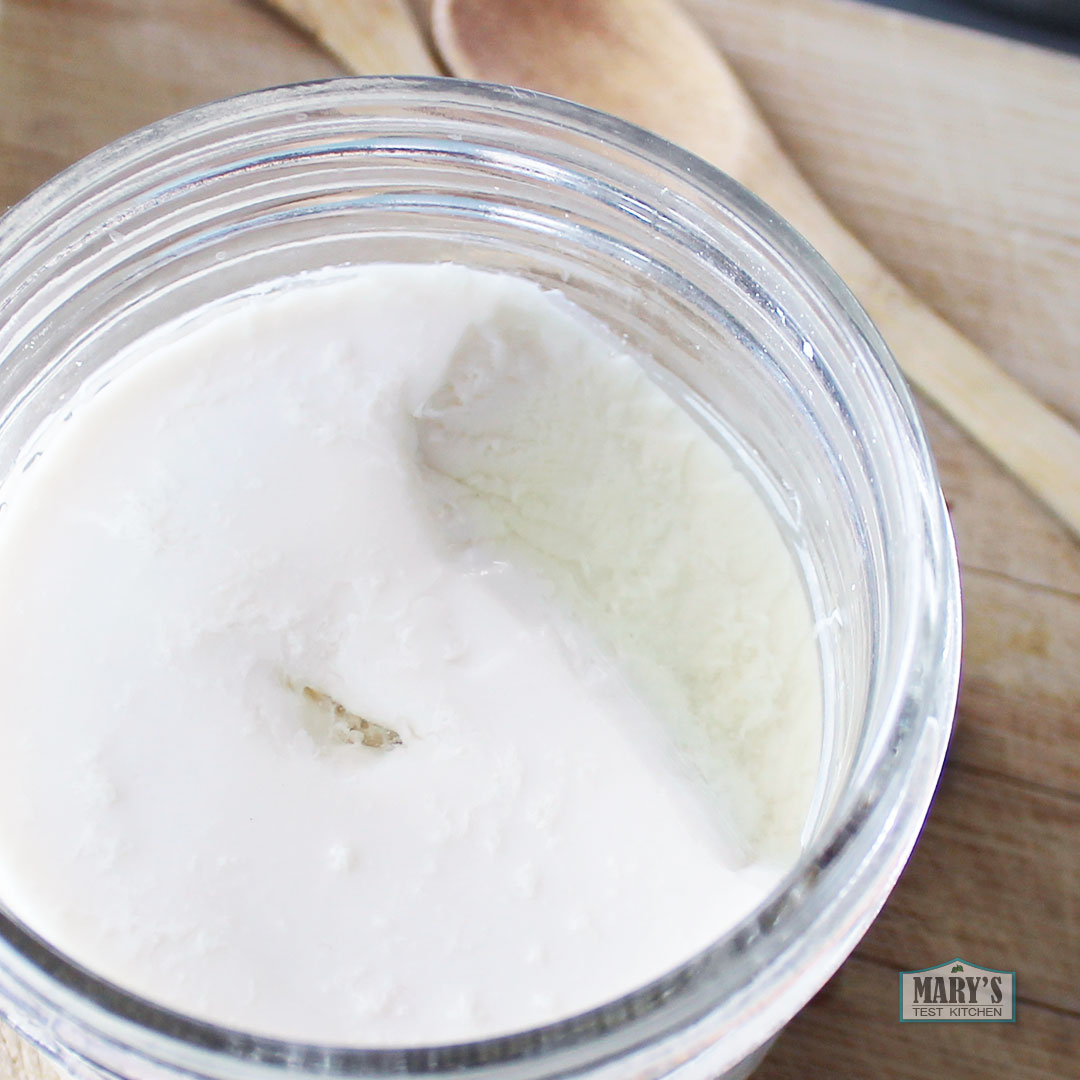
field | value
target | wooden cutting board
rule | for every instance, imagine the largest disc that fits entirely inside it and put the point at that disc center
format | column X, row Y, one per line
column 956, row 157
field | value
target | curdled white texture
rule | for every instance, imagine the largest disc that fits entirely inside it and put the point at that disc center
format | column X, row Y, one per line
column 447, row 501
column 572, row 461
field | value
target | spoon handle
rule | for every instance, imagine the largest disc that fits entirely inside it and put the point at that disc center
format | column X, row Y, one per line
column 376, row 37
column 1032, row 441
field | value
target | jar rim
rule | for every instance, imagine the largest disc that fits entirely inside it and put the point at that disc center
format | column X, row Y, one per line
column 849, row 852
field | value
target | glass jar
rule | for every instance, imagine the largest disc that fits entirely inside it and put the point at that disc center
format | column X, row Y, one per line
column 758, row 339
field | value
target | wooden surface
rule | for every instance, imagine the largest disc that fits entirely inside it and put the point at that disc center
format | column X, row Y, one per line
column 956, row 158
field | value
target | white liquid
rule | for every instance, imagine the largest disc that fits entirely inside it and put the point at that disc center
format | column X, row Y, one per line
column 446, row 501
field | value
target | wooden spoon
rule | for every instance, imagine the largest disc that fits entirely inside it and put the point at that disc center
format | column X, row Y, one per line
column 648, row 62
column 370, row 37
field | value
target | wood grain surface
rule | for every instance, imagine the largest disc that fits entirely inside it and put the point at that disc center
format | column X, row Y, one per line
column 956, row 158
